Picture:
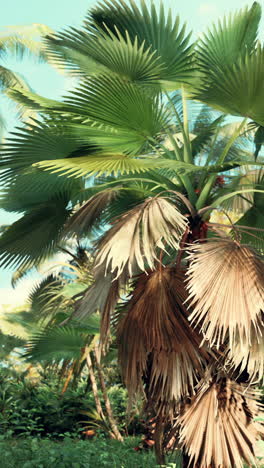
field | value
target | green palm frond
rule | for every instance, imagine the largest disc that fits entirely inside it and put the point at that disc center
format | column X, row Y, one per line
column 101, row 164
column 233, row 37
column 128, row 28
column 111, row 101
column 121, row 164
column 42, row 298
column 18, row 323
column 258, row 131
column 205, row 134
column 35, row 236
column 39, row 142
column 9, row 78
column 110, row 54
column 55, row 344
column 34, row 187
column 232, row 65
column 112, row 112
column 238, row 89
column 27, row 98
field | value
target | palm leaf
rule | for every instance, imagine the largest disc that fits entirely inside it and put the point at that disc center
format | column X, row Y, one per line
column 55, row 344
column 250, row 358
column 232, row 66
column 99, row 164
column 238, row 90
column 234, row 36
column 9, row 78
column 155, row 340
column 112, row 33
column 229, row 267
column 19, row 274
column 106, row 53
column 33, row 187
column 107, row 104
column 40, row 142
column 85, row 217
column 254, row 217
column 35, row 236
column 134, row 239
column 43, row 296
column 218, row 429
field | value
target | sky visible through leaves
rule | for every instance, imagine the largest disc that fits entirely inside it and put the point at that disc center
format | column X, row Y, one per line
column 44, row 80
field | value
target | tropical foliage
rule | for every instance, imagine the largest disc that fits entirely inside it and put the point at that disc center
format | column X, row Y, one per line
column 134, row 162
column 19, row 42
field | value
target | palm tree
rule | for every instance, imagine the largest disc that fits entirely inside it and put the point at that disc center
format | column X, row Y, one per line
column 119, row 158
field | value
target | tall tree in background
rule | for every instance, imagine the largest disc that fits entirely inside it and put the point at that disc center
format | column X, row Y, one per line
column 119, row 158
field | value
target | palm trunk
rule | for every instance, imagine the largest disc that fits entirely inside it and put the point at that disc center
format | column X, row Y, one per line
column 108, row 407
column 94, row 386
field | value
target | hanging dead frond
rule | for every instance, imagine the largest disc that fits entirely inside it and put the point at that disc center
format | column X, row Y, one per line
column 102, row 296
column 226, row 290
column 250, row 358
column 85, row 217
column 132, row 241
column 156, row 342
column 218, row 428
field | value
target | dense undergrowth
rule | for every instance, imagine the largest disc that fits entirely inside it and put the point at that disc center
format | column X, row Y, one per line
column 99, row 453
column 41, row 409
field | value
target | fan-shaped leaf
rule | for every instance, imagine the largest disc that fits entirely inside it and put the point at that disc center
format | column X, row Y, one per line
column 35, row 236
column 229, row 298
column 134, row 239
column 113, row 33
column 55, row 344
column 154, row 330
column 218, row 426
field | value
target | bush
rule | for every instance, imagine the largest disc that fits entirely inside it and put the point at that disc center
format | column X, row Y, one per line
column 36, row 409
column 40, row 409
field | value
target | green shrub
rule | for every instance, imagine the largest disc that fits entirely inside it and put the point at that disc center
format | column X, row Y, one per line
column 39, row 409
column 99, row 453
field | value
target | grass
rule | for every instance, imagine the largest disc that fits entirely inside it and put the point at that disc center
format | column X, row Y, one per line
column 98, row 453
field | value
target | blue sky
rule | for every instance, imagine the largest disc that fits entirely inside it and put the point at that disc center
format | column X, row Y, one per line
column 61, row 13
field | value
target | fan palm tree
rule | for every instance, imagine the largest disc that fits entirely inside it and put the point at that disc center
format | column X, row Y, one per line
column 120, row 159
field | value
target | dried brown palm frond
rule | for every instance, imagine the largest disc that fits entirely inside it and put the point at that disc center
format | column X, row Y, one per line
column 250, row 358
column 156, row 342
column 218, row 427
column 85, row 217
column 95, row 297
column 132, row 241
column 102, row 296
column 226, row 290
